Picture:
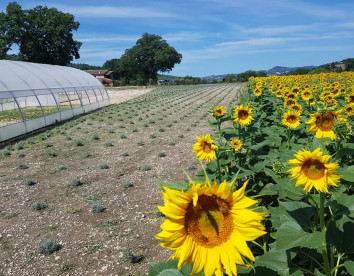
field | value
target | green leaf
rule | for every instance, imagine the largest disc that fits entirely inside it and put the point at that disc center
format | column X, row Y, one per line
column 287, row 189
column 347, row 173
column 274, row 259
column 317, row 273
column 301, row 212
column 172, row 185
column 349, row 265
column 344, row 204
column 318, row 143
column 340, row 234
column 170, row 272
column 347, row 149
column 156, row 268
column 187, row 270
column 160, row 269
column 269, row 189
column 291, row 235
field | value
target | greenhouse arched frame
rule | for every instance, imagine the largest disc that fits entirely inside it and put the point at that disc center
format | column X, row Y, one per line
column 33, row 96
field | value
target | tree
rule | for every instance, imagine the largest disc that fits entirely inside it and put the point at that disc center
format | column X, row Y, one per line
column 44, row 35
column 142, row 62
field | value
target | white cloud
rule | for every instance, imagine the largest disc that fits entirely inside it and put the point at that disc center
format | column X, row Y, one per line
column 107, row 38
column 115, row 12
column 276, row 30
column 183, row 36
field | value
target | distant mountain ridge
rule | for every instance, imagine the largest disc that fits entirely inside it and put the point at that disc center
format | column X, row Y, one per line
column 279, row 70
column 276, row 70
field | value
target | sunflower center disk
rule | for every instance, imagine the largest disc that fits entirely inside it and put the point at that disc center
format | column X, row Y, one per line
column 325, row 122
column 243, row 114
column 210, row 221
column 313, row 169
column 292, row 119
column 206, row 147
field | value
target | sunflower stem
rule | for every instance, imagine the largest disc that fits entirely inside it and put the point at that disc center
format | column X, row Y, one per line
column 323, row 229
column 218, row 164
column 289, row 132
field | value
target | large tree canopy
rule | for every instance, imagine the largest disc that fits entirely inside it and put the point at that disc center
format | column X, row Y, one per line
column 142, row 62
column 44, row 35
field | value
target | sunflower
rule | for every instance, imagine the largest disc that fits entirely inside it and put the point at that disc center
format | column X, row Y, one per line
column 205, row 148
column 289, row 102
column 349, row 109
column 297, row 108
column 306, row 95
column 257, row 91
column 219, row 111
column 350, row 98
column 243, row 115
column 312, row 169
column 321, row 124
column 236, row 144
column 279, row 94
column 291, row 119
column 208, row 226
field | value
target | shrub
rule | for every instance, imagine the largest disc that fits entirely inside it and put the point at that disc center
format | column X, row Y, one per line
column 131, row 257
column 20, row 145
column 128, row 184
column 104, row 166
column 145, row 167
column 37, row 206
column 140, row 143
column 161, row 154
column 76, row 182
column 48, row 247
column 22, row 166
column 52, row 154
column 97, row 207
column 108, row 144
column 79, row 143
column 30, row 182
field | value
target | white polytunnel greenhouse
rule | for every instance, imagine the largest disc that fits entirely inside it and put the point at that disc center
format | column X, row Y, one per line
column 34, row 95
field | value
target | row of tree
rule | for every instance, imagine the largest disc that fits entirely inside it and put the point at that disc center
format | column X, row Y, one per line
column 244, row 76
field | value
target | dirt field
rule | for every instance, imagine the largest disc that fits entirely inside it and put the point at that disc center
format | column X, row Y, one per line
column 132, row 143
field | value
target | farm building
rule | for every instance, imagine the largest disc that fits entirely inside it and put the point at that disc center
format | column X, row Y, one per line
column 104, row 76
column 34, row 95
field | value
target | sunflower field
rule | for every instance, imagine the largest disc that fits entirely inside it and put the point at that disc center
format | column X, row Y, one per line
column 274, row 196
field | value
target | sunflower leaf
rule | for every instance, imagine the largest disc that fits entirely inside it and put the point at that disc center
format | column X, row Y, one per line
column 349, row 265
column 347, row 173
column 172, row 185
column 274, row 259
column 347, row 149
column 290, row 235
column 340, row 234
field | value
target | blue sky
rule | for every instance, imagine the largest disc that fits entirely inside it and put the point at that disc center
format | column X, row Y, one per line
column 215, row 36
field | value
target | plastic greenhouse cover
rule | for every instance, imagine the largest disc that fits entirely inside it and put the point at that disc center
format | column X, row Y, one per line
column 19, row 75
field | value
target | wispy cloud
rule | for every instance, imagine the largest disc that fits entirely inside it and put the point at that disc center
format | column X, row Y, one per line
column 107, row 38
column 184, row 36
column 115, row 12
column 260, row 45
column 292, row 7
column 276, row 30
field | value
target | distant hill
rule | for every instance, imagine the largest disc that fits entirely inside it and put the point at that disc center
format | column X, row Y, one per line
column 276, row 70
column 280, row 70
